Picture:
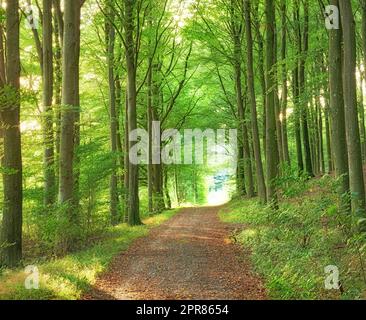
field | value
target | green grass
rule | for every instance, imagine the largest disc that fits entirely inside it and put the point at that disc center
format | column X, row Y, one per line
column 69, row 277
column 291, row 247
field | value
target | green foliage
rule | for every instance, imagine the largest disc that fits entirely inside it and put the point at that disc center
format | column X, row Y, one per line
column 291, row 247
column 71, row 276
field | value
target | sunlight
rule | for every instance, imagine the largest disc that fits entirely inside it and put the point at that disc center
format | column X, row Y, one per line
column 219, row 191
column 27, row 126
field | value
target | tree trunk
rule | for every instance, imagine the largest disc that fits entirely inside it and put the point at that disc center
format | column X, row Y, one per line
column 244, row 131
column 262, row 76
column 272, row 152
column 286, row 154
column 362, row 113
column 113, row 184
column 133, row 188
column 166, row 189
column 126, row 162
column 58, row 36
column 49, row 156
column 12, row 161
column 253, row 105
column 70, row 101
column 357, row 186
column 362, row 119
column 337, row 113
column 295, row 86
column 303, row 50
column 329, row 140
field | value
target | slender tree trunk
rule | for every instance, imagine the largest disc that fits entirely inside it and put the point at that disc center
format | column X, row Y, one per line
column 357, row 186
column 295, row 84
column 362, row 113
column 111, row 37
column 58, row 88
column 49, row 155
column 277, row 102
column 321, row 139
column 286, row 154
column 272, row 152
column 242, row 119
column 166, row 189
column 70, row 103
column 362, row 119
column 77, row 136
column 12, row 160
column 150, row 166
column 133, row 188
column 253, row 104
column 328, row 140
column 337, row 113
column 260, row 62
column 303, row 50
column 126, row 162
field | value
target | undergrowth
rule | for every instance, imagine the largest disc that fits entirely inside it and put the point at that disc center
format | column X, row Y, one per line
column 291, row 247
column 69, row 277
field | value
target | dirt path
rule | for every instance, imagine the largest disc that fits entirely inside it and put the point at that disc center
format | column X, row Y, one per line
column 188, row 257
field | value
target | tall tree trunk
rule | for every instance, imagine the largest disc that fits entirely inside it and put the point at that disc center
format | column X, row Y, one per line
column 126, row 162
column 328, row 140
column 286, row 154
column 242, row 119
column 113, row 184
column 262, row 76
column 70, row 103
column 295, row 86
column 253, row 104
column 12, row 161
column 362, row 119
column 337, row 113
column 362, row 113
column 303, row 42
column 277, row 102
column 77, row 136
column 357, row 186
column 58, row 36
column 49, row 155
column 321, row 139
column 272, row 152
column 133, row 188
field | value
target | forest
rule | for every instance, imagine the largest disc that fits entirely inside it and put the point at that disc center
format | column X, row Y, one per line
column 248, row 121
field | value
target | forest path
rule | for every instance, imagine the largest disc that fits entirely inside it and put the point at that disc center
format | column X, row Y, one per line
column 188, row 257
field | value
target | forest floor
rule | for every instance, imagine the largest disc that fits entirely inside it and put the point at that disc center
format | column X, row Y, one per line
column 190, row 256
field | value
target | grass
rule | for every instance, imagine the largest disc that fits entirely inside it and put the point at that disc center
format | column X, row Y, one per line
column 291, row 247
column 69, row 277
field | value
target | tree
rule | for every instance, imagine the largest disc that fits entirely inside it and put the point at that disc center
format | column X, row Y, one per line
column 49, row 170
column 236, row 33
column 70, row 104
column 12, row 160
column 271, row 135
column 133, row 171
column 356, row 179
column 303, row 45
column 111, row 37
column 337, row 112
column 253, row 103
column 286, row 155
